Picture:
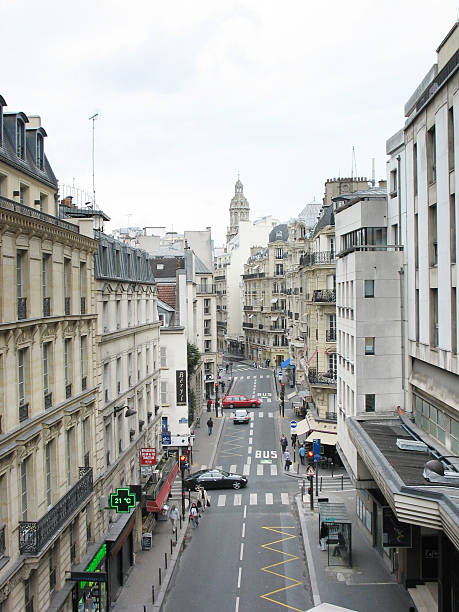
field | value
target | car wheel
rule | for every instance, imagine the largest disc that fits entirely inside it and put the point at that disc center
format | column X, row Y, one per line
column 231, row 405
column 236, row 485
column 254, row 405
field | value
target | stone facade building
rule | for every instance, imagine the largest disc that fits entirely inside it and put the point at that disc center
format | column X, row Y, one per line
column 48, row 378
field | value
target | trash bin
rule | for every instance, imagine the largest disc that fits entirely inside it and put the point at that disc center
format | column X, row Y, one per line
column 164, row 514
column 147, row 540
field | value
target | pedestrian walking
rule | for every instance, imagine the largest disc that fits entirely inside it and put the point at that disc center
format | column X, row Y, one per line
column 288, row 463
column 283, row 442
column 323, row 536
column 294, row 437
column 302, row 453
column 174, row 517
column 194, row 515
column 226, row 368
column 210, row 424
column 217, row 406
column 209, row 405
column 204, row 499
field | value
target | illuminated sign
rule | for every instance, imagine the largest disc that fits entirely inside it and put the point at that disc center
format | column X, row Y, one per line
column 122, row 500
column 180, row 384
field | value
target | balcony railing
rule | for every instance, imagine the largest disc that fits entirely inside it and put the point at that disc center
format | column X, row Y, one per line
column 68, row 390
column 67, row 305
column 331, row 416
column 83, row 383
column 22, row 308
column 48, row 400
column 330, row 335
column 247, row 325
column 23, row 412
column 321, row 257
column 248, row 307
column 46, row 306
column 34, row 535
column 83, row 305
column 324, row 295
column 221, row 324
column 2, row 541
column 7, row 204
column 207, row 332
column 321, row 378
column 205, row 289
column 253, row 275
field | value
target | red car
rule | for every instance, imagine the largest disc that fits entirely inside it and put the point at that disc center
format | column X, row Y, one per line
column 240, row 401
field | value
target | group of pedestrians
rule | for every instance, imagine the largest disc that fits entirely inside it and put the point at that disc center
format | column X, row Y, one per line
column 286, row 453
column 198, row 507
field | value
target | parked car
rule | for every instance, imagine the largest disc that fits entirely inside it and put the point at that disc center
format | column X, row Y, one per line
column 241, row 416
column 215, row 479
column 240, row 401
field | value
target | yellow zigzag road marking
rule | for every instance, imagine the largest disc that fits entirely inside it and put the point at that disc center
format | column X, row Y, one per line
column 233, row 446
column 268, row 568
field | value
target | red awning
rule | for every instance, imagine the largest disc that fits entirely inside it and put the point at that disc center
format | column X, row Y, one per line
column 157, row 504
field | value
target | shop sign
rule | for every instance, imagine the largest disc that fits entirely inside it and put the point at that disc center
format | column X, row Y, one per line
column 180, row 385
column 122, row 500
column 89, row 576
column 147, row 456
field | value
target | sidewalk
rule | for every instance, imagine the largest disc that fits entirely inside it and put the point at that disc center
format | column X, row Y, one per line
column 157, row 565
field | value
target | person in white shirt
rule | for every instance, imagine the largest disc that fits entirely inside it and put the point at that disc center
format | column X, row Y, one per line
column 174, row 517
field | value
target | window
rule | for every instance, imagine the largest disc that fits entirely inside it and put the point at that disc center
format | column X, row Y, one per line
column 20, row 274
column 120, row 433
column 369, row 346
column 279, row 253
column 86, row 439
column 40, row 151
column 24, row 194
column 279, row 269
column 28, row 595
column 415, row 169
column 25, row 489
column 20, row 138
column 43, row 205
column 147, row 360
column 129, row 369
column 67, row 284
column 129, row 312
column 105, row 317
column 393, row 183
column 206, row 306
column 433, row 246
column 108, row 443
column 451, row 138
column 452, row 226
column 118, row 314
column 107, row 382
column 49, row 476
column 431, row 156
column 139, row 312
column 332, row 365
column 139, row 365
column 52, row 569
column 118, row 375
column 70, row 452
column 22, row 376
column 164, row 392
column 67, row 360
column 163, row 357
column 83, row 351
column 45, row 275
column 434, row 317
column 369, row 288
column 370, row 402
column 46, row 347
column 164, row 424
column 207, row 346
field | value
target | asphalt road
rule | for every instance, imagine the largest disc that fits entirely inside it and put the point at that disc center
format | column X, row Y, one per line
column 246, row 554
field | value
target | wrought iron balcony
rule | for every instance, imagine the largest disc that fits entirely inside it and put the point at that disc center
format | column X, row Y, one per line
column 205, row 289
column 22, row 308
column 247, row 325
column 46, row 306
column 83, row 305
column 253, row 275
column 2, row 541
column 68, row 390
column 48, row 400
column 67, row 305
column 7, row 204
column 34, row 535
column 83, row 383
column 23, row 412
column 321, row 257
column 331, row 416
column 321, row 378
column 324, row 295
column 248, row 307
column 330, row 335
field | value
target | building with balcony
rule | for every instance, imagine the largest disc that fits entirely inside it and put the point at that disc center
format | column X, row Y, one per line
column 264, row 308
column 48, row 379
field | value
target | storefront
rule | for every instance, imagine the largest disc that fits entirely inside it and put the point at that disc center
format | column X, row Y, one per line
column 91, row 594
column 119, row 553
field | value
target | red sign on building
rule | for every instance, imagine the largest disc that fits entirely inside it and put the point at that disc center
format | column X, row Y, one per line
column 147, row 456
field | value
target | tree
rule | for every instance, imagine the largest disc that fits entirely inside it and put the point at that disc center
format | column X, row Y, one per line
column 193, row 358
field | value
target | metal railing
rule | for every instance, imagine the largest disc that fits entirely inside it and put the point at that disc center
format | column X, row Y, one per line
column 68, row 390
column 324, row 295
column 67, row 305
column 331, row 416
column 321, row 378
column 83, row 305
column 2, row 540
column 23, row 412
column 7, row 204
column 247, row 325
column 48, row 400
column 205, row 289
column 33, row 535
column 330, row 335
column 46, row 306
column 438, row 81
column 22, row 308
column 320, row 257
column 248, row 307
column 253, row 275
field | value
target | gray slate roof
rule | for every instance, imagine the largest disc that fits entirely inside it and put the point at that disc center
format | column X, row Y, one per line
column 326, row 218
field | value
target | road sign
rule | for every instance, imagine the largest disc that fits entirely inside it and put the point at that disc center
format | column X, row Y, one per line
column 166, row 437
column 259, row 349
column 316, row 450
column 147, row 456
column 122, row 500
column 293, row 424
column 310, row 471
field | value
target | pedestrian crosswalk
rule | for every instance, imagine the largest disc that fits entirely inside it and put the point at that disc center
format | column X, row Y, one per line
column 221, row 500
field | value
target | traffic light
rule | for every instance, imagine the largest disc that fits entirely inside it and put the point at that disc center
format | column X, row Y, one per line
column 282, row 390
column 310, row 455
column 216, row 388
column 309, row 490
column 182, row 462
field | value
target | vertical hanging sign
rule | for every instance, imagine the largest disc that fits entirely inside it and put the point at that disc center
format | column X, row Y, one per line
column 180, row 384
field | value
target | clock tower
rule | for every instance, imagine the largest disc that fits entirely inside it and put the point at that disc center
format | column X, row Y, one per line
column 239, row 210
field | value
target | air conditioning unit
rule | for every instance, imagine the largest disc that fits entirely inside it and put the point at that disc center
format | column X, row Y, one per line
column 411, row 445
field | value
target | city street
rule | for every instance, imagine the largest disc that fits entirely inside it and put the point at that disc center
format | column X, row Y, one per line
column 247, row 552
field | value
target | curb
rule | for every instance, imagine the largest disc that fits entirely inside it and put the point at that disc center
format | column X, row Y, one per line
column 308, row 552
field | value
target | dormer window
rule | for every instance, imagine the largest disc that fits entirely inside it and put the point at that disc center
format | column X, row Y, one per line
column 40, row 151
column 20, row 138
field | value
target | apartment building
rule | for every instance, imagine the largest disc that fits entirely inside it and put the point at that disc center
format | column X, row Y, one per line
column 221, row 261
column 48, row 379
column 265, row 313
column 406, row 465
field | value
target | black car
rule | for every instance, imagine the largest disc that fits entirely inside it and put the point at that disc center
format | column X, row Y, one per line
column 215, row 479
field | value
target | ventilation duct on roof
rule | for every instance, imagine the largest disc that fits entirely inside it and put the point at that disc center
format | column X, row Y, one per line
column 411, row 445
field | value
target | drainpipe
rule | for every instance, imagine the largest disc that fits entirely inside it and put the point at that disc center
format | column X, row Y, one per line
column 401, row 274
column 399, row 190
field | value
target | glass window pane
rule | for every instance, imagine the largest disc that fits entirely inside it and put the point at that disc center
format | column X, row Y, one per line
column 441, row 435
column 425, row 408
column 455, row 428
column 433, row 414
column 433, row 429
column 418, row 403
column 455, row 446
column 443, row 420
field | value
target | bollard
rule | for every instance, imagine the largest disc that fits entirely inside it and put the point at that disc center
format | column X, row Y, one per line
column 321, row 484
column 165, row 560
column 171, row 546
column 152, row 593
column 159, row 572
column 180, row 517
column 176, row 536
column 298, row 468
column 342, row 482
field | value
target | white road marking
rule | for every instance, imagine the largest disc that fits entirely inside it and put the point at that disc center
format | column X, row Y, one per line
column 284, row 498
column 250, row 440
column 273, row 470
column 237, row 499
column 268, row 400
column 261, row 414
column 233, row 468
column 242, row 552
column 221, row 500
column 249, row 450
column 236, row 609
column 243, row 530
column 269, row 498
column 245, row 511
column 246, row 470
column 253, row 499
column 239, row 578
column 251, row 414
column 260, row 469
column 249, row 460
column 270, row 415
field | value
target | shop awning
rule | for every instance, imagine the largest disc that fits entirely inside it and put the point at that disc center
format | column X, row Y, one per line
column 325, row 438
column 157, row 504
column 303, row 427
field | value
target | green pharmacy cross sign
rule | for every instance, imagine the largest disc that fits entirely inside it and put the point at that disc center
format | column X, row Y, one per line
column 122, row 500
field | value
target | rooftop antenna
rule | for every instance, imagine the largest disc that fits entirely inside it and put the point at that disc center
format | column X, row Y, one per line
column 354, row 167
column 93, row 119
column 373, row 174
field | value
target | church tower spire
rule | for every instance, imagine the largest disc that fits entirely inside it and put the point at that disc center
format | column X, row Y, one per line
column 239, row 210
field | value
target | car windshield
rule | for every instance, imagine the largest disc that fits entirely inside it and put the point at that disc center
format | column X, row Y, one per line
column 241, row 413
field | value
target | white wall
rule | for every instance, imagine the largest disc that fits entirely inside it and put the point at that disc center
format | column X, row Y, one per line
column 176, row 359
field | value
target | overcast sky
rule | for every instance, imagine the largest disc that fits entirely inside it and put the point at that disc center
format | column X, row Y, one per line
column 191, row 92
